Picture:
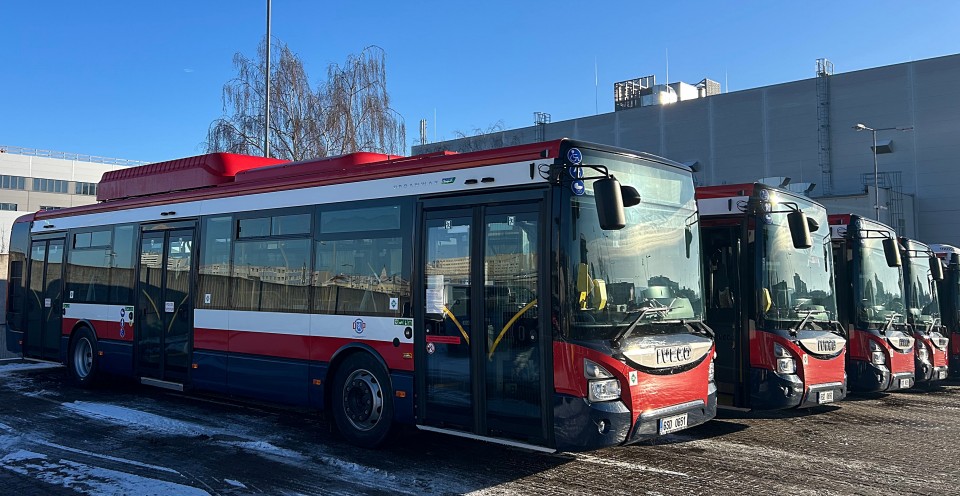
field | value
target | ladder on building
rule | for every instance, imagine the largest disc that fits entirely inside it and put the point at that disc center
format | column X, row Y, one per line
column 824, row 71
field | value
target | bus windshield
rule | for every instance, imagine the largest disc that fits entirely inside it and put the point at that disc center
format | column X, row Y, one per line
column 648, row 272
column 799, row 281
column 879, row 286
column 924, row 305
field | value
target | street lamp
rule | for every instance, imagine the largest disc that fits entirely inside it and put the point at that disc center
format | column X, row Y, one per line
column 876, row 174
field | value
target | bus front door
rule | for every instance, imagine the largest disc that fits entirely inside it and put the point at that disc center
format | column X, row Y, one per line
column 482, row 349
column 164, row 329
column 44, row 300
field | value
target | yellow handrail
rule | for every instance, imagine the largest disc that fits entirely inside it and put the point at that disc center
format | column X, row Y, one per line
column 457, row 322
column 510, row 323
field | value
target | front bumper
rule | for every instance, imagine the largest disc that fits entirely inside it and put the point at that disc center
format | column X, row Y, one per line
column 813, row 397
column 772, row 391
column 580, row 425
column 866, row 377
column 927, row 373
column 903, row 380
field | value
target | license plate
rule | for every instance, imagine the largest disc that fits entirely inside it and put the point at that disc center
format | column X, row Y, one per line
column 825, row 397
column 672, row 424
column 943, row 374
column 904, row 383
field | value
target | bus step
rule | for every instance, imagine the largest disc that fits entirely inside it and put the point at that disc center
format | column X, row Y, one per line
column 149, row 381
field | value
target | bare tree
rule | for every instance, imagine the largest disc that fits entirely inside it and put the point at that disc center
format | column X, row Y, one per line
column 350, row 112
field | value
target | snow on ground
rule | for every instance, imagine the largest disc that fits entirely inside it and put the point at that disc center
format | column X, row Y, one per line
column 138, row 419
column 7, row 366
column 88, row 479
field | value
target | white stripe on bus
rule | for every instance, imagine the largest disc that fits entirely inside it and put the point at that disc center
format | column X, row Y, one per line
column 505, row 174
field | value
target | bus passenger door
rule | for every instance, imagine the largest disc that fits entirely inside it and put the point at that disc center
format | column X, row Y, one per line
column 164, row 326
column 482, row 349
column 724, row 311
column 44, row 304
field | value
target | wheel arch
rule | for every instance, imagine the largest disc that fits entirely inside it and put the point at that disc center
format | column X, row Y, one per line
column 337, row 360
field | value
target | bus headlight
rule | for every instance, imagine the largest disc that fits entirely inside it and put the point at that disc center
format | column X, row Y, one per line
column 601, row 385
column 922, row 353
column 877, row 354
column 603, row 390
column 785, row 362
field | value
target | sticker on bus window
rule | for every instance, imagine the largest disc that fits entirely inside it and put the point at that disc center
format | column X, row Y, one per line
column 46, row 303
column 168, row 306
column 71, row 295
column 394, row 303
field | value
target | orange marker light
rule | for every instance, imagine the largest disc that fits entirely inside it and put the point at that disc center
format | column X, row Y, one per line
column 401, row 394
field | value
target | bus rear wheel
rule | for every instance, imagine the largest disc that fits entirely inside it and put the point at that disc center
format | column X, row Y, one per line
column 363, row 401
column 82, row 360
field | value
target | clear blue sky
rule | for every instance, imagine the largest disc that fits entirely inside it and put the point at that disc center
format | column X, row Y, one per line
column 143, row 81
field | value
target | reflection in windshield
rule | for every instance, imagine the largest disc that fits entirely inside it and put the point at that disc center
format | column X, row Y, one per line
column 798, row 280
column 650, row 263
column 924, row 306
column 881, row 293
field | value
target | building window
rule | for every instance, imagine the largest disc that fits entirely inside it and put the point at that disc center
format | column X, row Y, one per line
column 12, row 182
column 44, row 208
column 85, row 188
column 8, row 206
column 49, row 185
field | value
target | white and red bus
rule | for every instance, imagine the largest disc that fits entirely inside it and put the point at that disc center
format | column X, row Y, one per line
column 949, row 292
column 922, row 272
column 520, row 295
column 770, row 298
column 872, row 305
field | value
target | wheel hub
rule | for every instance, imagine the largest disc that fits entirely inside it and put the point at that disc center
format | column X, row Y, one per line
column 362, row 400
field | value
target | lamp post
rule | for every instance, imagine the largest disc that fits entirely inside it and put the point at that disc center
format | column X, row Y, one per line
column 266, row 106
column 876, row 174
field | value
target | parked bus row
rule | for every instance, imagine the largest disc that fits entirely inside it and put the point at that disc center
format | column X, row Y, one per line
column 553, row 296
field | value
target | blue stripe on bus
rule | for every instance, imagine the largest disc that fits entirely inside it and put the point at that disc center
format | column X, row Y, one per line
column 13, row 341
column 272, row 379
column 117, row 357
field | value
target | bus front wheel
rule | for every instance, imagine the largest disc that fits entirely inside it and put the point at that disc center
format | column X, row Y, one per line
column 363, row 401
column 82, row 360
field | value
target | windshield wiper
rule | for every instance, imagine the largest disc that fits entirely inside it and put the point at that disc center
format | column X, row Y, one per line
column 806, row 317
column 640, row 314
column 889, row 322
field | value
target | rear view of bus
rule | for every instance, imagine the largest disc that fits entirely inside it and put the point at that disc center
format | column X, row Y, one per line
column 880, row 352
column 949, row 293
column 770, row 298
column 921, row 273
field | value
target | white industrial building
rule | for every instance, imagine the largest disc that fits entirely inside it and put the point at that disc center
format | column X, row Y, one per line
column 32, row 180
column 803, row 130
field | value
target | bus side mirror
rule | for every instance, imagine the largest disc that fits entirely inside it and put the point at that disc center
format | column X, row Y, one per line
column 609, row 199
column 799, row 230
column 936, row 269
column 892, row 252
column 630, row 195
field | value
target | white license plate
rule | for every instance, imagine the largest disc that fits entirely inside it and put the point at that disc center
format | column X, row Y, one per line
column 825, row 397
column 943, row 374
column 672, row 424
column 904, row 383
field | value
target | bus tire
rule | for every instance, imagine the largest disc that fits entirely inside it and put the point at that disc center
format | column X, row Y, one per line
column 82, row 359
column 362, row 401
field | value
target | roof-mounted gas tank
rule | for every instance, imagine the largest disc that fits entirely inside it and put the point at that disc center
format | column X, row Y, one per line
column 181, row 174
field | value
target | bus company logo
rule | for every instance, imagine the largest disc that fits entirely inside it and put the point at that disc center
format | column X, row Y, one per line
column 674, row 354
column 448, row 180
column 826, row 345
column 419, row 184
column 359, row 325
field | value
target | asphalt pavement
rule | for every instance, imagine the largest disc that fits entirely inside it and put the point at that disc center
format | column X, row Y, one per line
column 126, row 439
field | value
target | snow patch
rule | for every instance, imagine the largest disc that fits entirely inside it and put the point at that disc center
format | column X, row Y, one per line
column 6, row 368
column 627, row 465
column 235, row 483
column 263, row 447
column 136, row 418
column 91, row 480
